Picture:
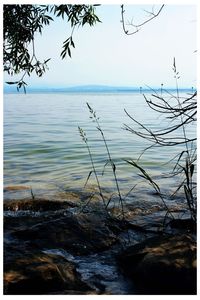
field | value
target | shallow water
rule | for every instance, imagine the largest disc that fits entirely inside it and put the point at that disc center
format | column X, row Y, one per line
column 44, row 151
column 99, row 271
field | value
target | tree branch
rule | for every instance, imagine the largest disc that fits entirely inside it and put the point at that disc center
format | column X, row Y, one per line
column 138, row 26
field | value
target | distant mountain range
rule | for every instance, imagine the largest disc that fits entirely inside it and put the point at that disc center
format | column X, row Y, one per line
column 83, row 89
column 98, row 88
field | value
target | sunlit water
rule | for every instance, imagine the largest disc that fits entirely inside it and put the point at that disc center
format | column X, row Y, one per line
column 43, row 149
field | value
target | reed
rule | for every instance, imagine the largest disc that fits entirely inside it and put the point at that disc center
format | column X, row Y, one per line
column 106, row 202
column 181, row 112
column 32, row 195
column 153, row 184
column 110, row 160
column 85, row 140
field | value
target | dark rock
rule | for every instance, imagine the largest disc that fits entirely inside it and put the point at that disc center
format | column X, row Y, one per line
column 40, row 244
column 37, row 273
column 82, row 234
column 162, row 265
column 184, row 224
column 30, row 270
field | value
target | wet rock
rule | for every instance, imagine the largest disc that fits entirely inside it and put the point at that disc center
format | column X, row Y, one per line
column 16, row 188
column 36, row 205
column 56, row 249
column 33, row 272
column 29, row 265
column 80, row 235
column 184, row 224
column 162, row 265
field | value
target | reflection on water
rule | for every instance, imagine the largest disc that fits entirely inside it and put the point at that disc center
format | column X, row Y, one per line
column 43, row 149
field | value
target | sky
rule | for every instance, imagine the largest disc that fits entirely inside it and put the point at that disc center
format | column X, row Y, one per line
column 104, row 55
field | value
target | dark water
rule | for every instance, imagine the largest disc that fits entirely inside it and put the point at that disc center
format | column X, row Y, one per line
column 43, row 149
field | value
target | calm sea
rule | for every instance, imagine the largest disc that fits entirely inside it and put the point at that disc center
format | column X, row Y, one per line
column 43, row 149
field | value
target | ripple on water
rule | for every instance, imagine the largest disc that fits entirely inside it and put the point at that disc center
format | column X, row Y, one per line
column 42, row 143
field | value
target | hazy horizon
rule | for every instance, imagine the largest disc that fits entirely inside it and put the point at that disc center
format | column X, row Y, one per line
column 90, row 88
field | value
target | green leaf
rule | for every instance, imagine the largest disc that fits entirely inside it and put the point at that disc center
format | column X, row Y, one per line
column 144, row 174
column 46, row 61
column 63, row 54
column 191, row 169
column 49, row 18
column 69, row 51
column 72, row 43
column 97, row 19
column 11, row 82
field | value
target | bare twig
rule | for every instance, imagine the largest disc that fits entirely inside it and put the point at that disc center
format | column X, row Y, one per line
column 137, row 27
column 181, row 111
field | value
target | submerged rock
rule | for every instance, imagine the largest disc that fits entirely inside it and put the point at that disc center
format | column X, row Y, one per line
column 16, row 188
column 162, row 265
column 36, row 205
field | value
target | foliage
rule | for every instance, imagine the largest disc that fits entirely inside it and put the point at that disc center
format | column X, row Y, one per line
column 23, row 22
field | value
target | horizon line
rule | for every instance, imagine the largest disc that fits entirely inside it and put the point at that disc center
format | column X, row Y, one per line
column 92, row 88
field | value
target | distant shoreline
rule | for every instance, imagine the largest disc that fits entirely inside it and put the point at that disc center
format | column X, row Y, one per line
column 92, row 89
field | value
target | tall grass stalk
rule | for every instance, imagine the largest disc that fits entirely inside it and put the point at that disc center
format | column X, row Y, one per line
column 84, row 138
column 32, row 195
column 110, row 160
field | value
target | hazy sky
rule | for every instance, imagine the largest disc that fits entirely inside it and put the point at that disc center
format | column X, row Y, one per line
column 104, row 55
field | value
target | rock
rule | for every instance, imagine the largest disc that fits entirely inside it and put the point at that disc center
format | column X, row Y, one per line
column 36, row 205
column 162, row 265
column 30, row 267
column 82, row 234
column 184, row 224
column 16, row 188
column 37, row 273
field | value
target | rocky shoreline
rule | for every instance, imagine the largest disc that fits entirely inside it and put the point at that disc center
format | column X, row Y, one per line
column 54, row 247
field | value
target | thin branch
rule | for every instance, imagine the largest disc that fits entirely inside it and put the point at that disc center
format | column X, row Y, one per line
column 138, row 26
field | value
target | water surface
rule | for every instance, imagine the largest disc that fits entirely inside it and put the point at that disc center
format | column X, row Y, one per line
column 43, row 149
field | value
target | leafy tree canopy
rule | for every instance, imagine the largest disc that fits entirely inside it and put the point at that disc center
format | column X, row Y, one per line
column 22, row 22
